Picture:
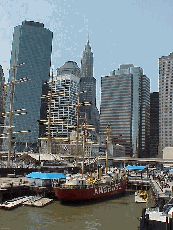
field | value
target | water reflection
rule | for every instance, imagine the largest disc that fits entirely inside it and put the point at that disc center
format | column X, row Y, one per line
column 118, row 213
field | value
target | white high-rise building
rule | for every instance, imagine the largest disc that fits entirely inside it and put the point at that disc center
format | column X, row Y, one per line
column 66, row 82
column 62, row 105
column 165, row 101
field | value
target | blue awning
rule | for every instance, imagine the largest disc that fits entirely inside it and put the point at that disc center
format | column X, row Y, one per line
column 48, row 176
column 134, row 167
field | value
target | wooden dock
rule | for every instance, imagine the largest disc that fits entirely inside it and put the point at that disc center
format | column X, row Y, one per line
column 36, row 201
column 19, row 187
column 10, row 204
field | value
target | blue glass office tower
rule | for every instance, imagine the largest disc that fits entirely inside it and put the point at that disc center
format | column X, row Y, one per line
column 32, row 44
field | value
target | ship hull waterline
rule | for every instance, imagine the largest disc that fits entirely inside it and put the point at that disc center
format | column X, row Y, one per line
column 100, row 191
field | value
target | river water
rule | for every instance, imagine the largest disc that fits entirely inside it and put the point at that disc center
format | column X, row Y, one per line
column 118, row 213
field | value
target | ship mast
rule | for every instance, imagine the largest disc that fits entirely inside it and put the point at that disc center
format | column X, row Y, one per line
column 83, row 153
column 85, row 134
column 48, row 122
column 50, row 101
column 77, row 128
column 14, row 82
column 10, row 115
column 77, row 124
column 107, row 146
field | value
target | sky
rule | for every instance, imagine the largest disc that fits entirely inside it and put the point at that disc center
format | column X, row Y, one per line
column 127, row 31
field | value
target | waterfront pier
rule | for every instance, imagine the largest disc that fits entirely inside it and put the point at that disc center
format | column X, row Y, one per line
column 138, row 184
column 11, row 188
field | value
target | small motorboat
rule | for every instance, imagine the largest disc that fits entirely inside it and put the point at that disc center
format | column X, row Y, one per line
column 141, row 196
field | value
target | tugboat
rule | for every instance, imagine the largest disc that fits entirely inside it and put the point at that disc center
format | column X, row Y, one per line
column 84, row 187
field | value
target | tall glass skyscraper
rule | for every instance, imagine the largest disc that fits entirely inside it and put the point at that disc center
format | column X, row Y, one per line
column 116, row 108
column 144, row 127
column 125, row 104
column 32, row 45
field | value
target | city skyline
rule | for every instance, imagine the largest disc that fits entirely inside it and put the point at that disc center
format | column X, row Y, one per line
column 71, row 22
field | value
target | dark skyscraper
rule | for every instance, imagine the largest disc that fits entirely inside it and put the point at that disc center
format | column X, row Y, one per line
column 144, row 127
column 32, row 44
column 154, row 123
column 87, row 62
column 125, row 105
column 116, row 108
column 88, row 84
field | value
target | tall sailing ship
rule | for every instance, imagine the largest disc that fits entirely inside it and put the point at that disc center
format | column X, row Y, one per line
column 78, row 188
column 87, row 186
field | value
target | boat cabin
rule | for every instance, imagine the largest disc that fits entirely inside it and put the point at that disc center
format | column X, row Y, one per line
column 75, row 181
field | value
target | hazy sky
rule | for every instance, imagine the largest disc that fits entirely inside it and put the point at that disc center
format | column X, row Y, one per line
column 126, row 31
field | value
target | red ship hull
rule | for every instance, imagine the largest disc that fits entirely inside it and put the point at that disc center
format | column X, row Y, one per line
column 100, row 191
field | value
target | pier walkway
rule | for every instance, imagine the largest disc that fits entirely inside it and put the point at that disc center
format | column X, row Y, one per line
column 11, row 188
column 145, row 182
column 157, row 189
